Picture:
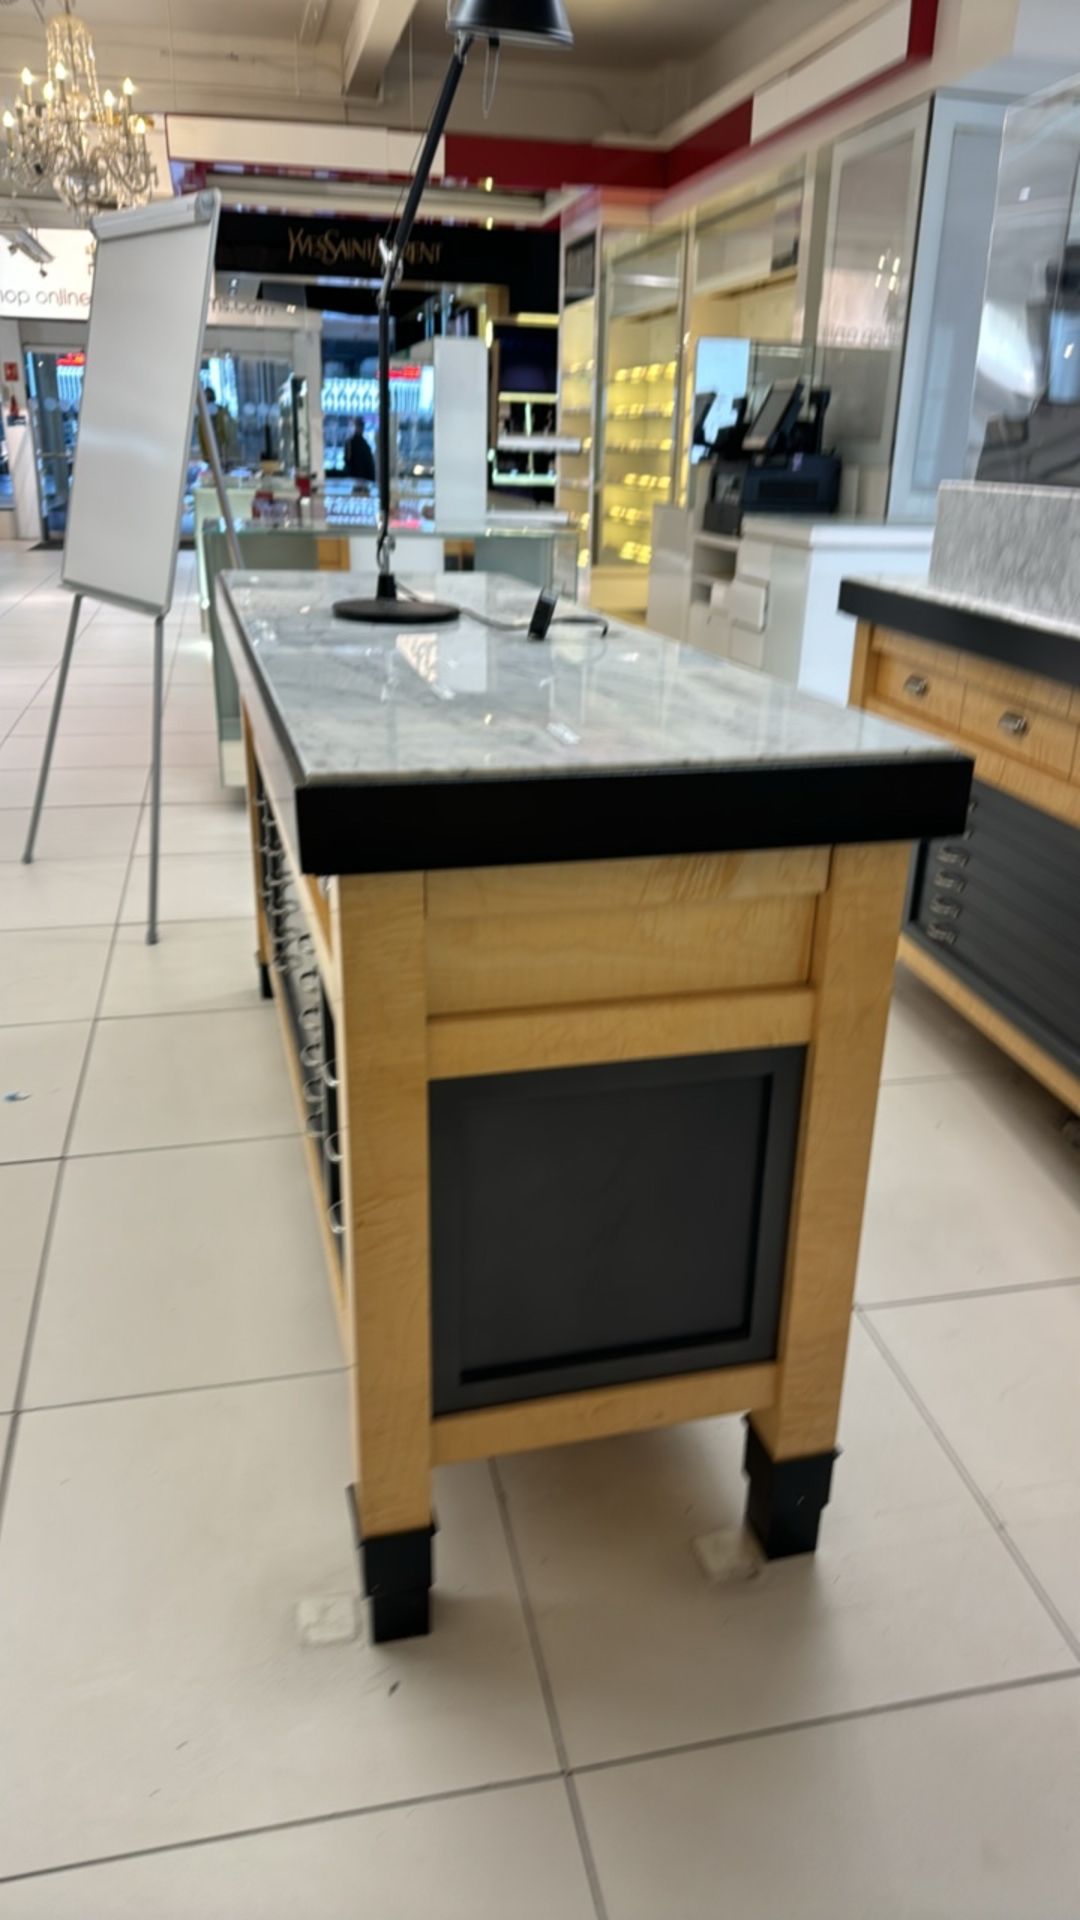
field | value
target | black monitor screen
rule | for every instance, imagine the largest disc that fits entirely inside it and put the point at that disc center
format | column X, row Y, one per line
column 780, row 400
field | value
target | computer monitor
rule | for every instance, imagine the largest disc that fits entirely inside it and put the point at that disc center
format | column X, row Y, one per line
column 778, row 411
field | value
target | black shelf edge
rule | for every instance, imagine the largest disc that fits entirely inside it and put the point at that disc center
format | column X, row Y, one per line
column 1031, row 649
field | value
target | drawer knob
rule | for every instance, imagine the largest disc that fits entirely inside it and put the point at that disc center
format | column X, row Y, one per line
column 916, row 686
column 947, row 909
column 943, row 937
column 1015, row 723
column 949, row 857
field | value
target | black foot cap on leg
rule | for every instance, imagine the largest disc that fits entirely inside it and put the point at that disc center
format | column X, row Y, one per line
column 266, row 991
column 786, row 1498
column 397, row 1572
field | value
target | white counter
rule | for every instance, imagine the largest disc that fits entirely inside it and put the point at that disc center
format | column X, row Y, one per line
column 768, row 597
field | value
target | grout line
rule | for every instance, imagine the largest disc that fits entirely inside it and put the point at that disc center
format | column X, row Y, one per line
column 1006, row 1071
column 452, row 1794
column 989, row 1511
column 883, row 1710
column 175, row 1393
column 8, row 1462
column 547, row 1691
column 285, row 1826
column 968, row 1293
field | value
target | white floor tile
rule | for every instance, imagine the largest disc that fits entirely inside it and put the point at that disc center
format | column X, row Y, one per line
column 184, row 1079
column 479, row 1858
column 106, row 677
column 76, row 787
column 199, row 966
column 69, row 833
column 194, row 886
column 220, row 829
column 971, row 1185
column 185, row 785
column 190, row 749
column 78, row 722
column 911, row 1592
column 154, row 1555
column 17, row 683
column 79, row 750
column 90, row 693
column 60, row 893
column 228, row 1238
column 959, row 1811
column 25, row 1198
column 51, row 974
column 927, row 1040
column 999, row 1374
column 39, row 1072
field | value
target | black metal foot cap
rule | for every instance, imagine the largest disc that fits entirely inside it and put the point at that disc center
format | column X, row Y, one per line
column 786, row 1498
column 397, row 1572
column 266, row 991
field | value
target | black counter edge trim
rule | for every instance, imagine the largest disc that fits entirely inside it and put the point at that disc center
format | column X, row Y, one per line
column 397, row 828
column 1029, row 649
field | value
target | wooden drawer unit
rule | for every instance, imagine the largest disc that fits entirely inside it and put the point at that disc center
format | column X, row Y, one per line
column 1024, row 732
column 917, row 693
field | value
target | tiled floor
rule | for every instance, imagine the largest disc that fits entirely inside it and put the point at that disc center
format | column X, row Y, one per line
column 891, row 1730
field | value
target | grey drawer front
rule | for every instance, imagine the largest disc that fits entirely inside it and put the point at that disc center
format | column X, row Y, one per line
column 1001, row 906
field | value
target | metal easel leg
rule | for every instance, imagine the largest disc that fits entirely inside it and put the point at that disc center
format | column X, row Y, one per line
column 155, row 779
column 54, row 722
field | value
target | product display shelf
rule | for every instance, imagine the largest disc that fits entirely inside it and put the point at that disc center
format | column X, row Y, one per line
column 575, row 471
column 639, row 442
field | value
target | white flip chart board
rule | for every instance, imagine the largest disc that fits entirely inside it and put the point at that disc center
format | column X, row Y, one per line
column 152, row 281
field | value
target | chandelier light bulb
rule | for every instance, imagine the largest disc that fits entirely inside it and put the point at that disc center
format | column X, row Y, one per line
column 86, row 146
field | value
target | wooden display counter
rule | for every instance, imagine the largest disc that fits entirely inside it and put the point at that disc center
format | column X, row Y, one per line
column 992, row 919
column 583, row 954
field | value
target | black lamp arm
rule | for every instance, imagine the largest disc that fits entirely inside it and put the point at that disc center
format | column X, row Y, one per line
column 394, row 258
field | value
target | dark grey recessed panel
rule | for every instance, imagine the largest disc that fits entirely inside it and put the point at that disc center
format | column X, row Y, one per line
column 593, row 1225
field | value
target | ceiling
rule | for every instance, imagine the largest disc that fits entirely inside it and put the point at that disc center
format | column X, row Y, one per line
column 234, row 19
column 607, row 32
column 618, row 33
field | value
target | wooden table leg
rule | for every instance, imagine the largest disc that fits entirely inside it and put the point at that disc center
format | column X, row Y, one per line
column 382, row 1066
column 791, row 1446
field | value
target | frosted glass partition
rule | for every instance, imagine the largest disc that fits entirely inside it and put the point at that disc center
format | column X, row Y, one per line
column 1025, row 424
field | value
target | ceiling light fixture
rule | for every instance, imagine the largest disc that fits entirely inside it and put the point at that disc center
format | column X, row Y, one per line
column 88, row 148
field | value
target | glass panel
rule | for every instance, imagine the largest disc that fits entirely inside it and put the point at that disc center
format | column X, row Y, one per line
column 1026, row 414
column 954, row 320
column 864, row 302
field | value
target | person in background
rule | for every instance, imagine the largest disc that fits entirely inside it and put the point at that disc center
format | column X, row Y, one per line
column 224, row 430
column 359, row 459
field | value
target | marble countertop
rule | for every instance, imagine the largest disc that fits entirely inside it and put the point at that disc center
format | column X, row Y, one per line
column 466, row 702
column 930, row 594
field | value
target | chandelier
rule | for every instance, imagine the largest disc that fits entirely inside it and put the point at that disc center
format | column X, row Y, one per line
column 87, row 147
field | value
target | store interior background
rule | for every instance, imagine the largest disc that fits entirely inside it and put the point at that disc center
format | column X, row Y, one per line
column 656, row 249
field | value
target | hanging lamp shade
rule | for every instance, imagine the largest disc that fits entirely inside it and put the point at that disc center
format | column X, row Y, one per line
column 539, row 22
